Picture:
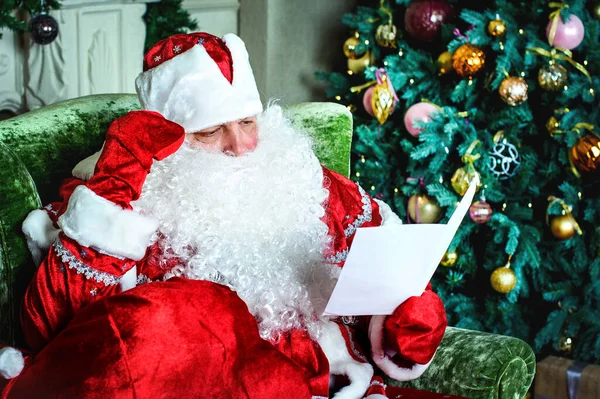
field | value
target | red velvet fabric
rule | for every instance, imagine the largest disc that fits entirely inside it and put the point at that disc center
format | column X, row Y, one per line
column 57, row 291
column 106, row 352
column 417, row 327
column 345, row 207
column 172, row 46
column 132, row 142
column 176, row 339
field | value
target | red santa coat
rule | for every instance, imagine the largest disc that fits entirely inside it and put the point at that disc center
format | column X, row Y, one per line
column 89, row 339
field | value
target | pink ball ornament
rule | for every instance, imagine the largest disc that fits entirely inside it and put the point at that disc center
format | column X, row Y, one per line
column 568, row 35
column 367, row 101
column 480, row 212
column 418, row 112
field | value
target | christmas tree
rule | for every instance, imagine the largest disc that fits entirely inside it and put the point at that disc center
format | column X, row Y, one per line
column 444, row 92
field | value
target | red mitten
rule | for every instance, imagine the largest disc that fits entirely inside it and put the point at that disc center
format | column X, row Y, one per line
column 404, row 343
column 132, row 142
column 99, row 213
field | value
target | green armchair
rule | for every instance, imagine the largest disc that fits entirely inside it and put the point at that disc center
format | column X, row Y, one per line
column 39, row 149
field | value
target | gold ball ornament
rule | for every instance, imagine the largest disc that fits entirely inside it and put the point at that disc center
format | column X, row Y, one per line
column 386, row 35
column 497, row 27
column 382, row 101
column 503, row 280
column 467, row 60
column 563, row 227
column 360, row 64
column 585, row 154
column 444, row 63
column 552, row 77
column 513, row 90
column 552, row 125
column 354, row 48
column 462, row 178
column 425, row 207
column 449, row 259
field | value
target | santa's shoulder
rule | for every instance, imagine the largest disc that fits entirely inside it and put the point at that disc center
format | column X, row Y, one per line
column 341, row 189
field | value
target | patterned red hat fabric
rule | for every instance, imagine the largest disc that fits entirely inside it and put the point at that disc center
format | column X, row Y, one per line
column 174, row 45
column 199, row 80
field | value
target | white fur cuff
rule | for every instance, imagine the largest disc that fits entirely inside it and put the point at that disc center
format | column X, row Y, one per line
column 388, row 216
column 40, row 233
column 96, row 222
column 385, row 363
column 11, row 362
column 333, row 344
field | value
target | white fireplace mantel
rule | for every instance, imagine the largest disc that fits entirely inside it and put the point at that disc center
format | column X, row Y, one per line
column 99, row 49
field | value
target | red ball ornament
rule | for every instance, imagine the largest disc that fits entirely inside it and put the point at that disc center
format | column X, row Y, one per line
column 480, row 212
column 423, row 18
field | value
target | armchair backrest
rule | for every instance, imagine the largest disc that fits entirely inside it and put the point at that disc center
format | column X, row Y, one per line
column 40, row 148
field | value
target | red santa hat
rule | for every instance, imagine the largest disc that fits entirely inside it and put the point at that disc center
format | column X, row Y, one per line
column 199, row 80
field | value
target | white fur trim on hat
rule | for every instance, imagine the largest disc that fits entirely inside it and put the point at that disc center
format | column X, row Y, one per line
column 341, row 363
column 40, row 234
column 385, row 363
column 11, row 362
column 388, row 216
column 96, row 222
column 190, row 89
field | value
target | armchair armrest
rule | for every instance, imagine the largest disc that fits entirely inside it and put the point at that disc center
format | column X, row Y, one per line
column 478, row 365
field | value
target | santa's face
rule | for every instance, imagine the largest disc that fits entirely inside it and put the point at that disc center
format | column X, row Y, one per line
column 234, row 138
column 252, row 222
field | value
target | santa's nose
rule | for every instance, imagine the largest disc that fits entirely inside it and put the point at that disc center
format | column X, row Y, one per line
column 239, row 142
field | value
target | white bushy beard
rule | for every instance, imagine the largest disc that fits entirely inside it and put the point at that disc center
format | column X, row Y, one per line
column 252, row 223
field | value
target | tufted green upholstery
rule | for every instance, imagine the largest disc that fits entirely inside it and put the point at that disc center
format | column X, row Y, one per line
column 39, row 149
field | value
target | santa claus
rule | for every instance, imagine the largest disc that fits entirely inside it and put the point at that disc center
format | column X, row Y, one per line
column 193, row 256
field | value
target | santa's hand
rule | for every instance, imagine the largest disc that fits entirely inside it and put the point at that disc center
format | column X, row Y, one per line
column 404, row 343
column 99, row 213
column 132, row 143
